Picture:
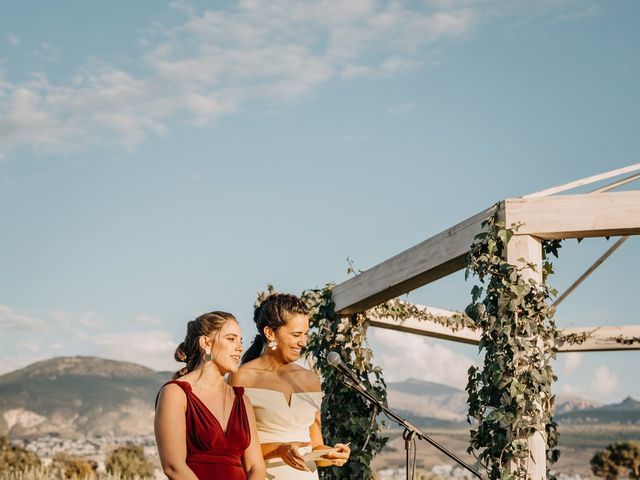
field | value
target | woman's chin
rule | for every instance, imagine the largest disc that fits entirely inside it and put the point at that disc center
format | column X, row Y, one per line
column 293, row 357
column 229, row 368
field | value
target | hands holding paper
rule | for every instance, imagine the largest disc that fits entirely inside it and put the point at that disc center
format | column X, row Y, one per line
column 293, row 454
column 338, row 455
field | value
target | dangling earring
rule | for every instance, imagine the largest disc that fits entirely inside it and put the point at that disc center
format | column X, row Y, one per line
column 273, row 344
column 207, row 355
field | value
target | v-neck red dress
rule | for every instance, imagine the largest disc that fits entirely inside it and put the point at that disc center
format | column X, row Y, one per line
column 211, row 453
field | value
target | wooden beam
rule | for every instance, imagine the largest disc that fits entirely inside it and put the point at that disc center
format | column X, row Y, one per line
column 617, row 184
column 599, row 341
column 576, row 216
column 584, row 181
column 430, row 260
column 601, row 338
column 429, row 328
column 590, row 270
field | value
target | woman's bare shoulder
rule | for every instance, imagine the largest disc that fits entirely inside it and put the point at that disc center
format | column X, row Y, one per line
column 172, row 393
column 314, row 380
column 308, row 378
column 245, row 376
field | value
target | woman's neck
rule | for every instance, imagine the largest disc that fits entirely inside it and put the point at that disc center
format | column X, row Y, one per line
column 272, row 360
column 207, row 373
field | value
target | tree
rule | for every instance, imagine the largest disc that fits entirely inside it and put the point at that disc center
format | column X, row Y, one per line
column 15, row 457
column 620, row 459
column 129, row 461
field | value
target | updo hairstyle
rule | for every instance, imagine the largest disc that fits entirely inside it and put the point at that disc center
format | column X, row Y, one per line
column 273, row 312
column 189, row 350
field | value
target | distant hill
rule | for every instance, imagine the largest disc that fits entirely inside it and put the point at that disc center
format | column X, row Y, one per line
column 73, row 396
column 569, row 403
column 627, row 411
column 77, row 396
column 428, row 404
column 431, row 404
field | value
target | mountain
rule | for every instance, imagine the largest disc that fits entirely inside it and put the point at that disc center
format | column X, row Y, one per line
column 78, row 396
column 627, row 411
column 428, row 404
column 73, row 396
column 570, row 403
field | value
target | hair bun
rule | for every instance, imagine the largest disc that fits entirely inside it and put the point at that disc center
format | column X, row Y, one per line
column 180, row 354
column 256, row 313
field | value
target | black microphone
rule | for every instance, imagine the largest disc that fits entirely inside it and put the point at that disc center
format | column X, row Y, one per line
column 333, row 359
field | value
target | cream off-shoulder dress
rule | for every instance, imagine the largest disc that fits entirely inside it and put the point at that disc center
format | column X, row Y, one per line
column 281, row 422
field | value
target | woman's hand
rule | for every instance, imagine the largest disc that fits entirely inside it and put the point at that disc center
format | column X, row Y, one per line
column 337, row 458
column 290, row 455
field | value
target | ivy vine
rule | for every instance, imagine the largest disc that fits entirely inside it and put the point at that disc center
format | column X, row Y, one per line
column 510, row 395
column 346, row 417
column 400, row 310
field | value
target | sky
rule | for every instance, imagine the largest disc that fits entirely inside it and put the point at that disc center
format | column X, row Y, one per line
column 163, row 159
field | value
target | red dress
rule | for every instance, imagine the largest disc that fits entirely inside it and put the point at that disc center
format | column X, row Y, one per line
column 213, row 454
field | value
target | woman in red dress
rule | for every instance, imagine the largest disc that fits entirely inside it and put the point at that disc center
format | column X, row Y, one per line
column 205, row 429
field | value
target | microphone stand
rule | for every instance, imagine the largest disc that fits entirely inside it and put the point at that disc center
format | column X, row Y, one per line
column 409, row 429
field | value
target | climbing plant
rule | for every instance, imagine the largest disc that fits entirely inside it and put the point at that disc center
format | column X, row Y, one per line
column 510, row 395
column 346, row 417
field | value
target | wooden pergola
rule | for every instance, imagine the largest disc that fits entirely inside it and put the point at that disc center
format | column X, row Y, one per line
column 543, row 215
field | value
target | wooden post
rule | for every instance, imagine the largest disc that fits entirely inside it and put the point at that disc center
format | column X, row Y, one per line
column 527, row 249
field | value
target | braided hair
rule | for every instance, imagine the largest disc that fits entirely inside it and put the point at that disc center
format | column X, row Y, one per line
column 189, row 350
column 273, row 312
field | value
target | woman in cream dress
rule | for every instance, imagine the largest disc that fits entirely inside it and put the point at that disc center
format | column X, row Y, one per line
column 286, row 397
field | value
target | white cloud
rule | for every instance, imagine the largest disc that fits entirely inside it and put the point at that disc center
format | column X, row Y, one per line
column 572, row 361
column 605, row 382
column 219, row 62
column 13, row 40
column 590, row 11
column 403, row 355
column 604, row 386
column 10, row 319
column 146, row 319
column 152, row 348
column 48, row 53
column 70, row 334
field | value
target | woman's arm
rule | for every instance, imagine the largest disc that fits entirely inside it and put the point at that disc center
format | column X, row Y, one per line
column 288, row 452
column 252, row 458
column 170, row 429
column 337, row 458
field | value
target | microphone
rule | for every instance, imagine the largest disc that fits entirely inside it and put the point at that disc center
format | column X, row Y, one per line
column 333, row 359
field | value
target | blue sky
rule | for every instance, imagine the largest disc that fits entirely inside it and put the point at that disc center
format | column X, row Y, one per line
column 159, row 160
